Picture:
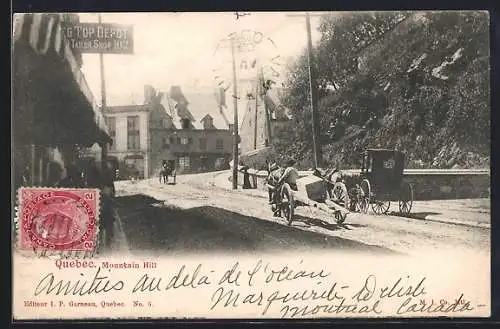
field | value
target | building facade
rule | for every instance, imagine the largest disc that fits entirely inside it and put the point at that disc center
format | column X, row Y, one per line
column 129, row 128
column 263, row 120
column 54, row 111
column 193, row 145
column 165, row 129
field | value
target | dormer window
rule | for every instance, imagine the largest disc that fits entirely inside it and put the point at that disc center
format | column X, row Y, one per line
column 185, row 123
column 208, row 122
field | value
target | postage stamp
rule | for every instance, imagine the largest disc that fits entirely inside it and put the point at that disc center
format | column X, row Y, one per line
column 58, row 219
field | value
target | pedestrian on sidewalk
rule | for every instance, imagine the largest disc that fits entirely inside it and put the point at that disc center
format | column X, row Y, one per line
column 108, row 208
column 246, row 176
column 104, row 180
column 73, row 177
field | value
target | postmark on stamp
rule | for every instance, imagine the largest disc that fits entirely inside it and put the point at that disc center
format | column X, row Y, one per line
column 58, row 219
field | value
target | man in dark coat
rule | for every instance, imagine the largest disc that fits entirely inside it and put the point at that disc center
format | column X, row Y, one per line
column 105, row 182
column 108, row 195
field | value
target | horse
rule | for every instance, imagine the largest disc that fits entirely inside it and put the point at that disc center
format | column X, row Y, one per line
column 165, row 171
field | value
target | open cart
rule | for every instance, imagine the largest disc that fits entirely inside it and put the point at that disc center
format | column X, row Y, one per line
column 312, row 191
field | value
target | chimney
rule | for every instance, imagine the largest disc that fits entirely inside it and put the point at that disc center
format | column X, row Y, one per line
column 149, row 94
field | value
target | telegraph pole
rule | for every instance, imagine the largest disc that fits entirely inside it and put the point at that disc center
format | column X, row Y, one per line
column 313, row 94
column 268, row 115
column 235, row 123
column 104, row 146
column 256, row 110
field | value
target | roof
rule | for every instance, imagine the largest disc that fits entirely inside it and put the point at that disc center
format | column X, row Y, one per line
column 127, row 108
column 199, row 106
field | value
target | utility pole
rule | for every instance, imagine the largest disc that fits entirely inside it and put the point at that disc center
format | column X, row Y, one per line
column 104, row 146
column 313, row 94
column 268, row 115
column 235, row 123
column 256, row 110
column 313, row 90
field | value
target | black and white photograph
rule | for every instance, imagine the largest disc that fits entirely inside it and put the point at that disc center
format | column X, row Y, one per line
column 251, row 164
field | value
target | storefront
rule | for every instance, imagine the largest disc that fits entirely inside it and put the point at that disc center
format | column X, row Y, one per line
column 54, row 112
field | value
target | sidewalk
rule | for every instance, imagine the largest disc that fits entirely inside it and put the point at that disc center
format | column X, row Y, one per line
column 468, row 212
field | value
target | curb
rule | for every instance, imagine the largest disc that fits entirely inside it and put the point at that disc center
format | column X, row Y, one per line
column 121, row 245
column 446, row 220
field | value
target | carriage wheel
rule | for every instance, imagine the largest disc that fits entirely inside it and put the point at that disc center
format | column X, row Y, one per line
column 406, row 199
column 340, row 195
column 381, row 207
column 287, row 203
column 364, row 199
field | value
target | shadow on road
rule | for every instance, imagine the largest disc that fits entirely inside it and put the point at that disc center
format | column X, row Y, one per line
column 150, row 226
column 414, row 215
column 308, row 222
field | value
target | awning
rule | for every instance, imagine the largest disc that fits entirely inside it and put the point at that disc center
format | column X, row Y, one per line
column 53, row 103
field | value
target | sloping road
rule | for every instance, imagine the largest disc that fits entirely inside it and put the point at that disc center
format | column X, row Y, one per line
column 197, row 214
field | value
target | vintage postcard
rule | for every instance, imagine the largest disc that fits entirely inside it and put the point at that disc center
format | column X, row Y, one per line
column 251, row 165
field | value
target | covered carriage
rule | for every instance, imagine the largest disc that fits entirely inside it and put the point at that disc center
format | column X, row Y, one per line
column 381, row 182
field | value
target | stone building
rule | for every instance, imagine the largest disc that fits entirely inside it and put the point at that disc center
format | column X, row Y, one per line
column 195, row 134
column 189, row 131
column 262, row 121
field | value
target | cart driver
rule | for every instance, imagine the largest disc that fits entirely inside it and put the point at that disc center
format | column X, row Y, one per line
column 290, row 175
column 275, row 173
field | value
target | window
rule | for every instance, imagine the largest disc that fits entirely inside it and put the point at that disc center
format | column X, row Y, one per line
column 133, row 122
column 111, row 124
column 203, row 143
column 166, row 143
column 172, row 140
column 184, row 141
column 219, row 146
column 389, row 164
column 185, row 123
column 184, row 162
column 133, row 135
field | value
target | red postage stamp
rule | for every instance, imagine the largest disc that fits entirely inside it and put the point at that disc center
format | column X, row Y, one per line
column 58, row 219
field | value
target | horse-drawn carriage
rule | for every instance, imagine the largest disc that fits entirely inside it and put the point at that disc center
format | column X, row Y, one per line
column 167, row 170
column 381, row 179
column 379, row 182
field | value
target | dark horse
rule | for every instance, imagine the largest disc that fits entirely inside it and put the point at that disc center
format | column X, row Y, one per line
column 166, row 170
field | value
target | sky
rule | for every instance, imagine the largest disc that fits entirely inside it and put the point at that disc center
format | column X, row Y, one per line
column 182, row 49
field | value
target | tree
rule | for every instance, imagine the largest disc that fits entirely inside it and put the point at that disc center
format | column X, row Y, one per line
column 417, row 82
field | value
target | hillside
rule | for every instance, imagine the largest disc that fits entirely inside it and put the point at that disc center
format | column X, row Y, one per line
column 422, row 86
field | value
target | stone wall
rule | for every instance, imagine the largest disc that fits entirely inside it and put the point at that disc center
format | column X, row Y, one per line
column 427, row 185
